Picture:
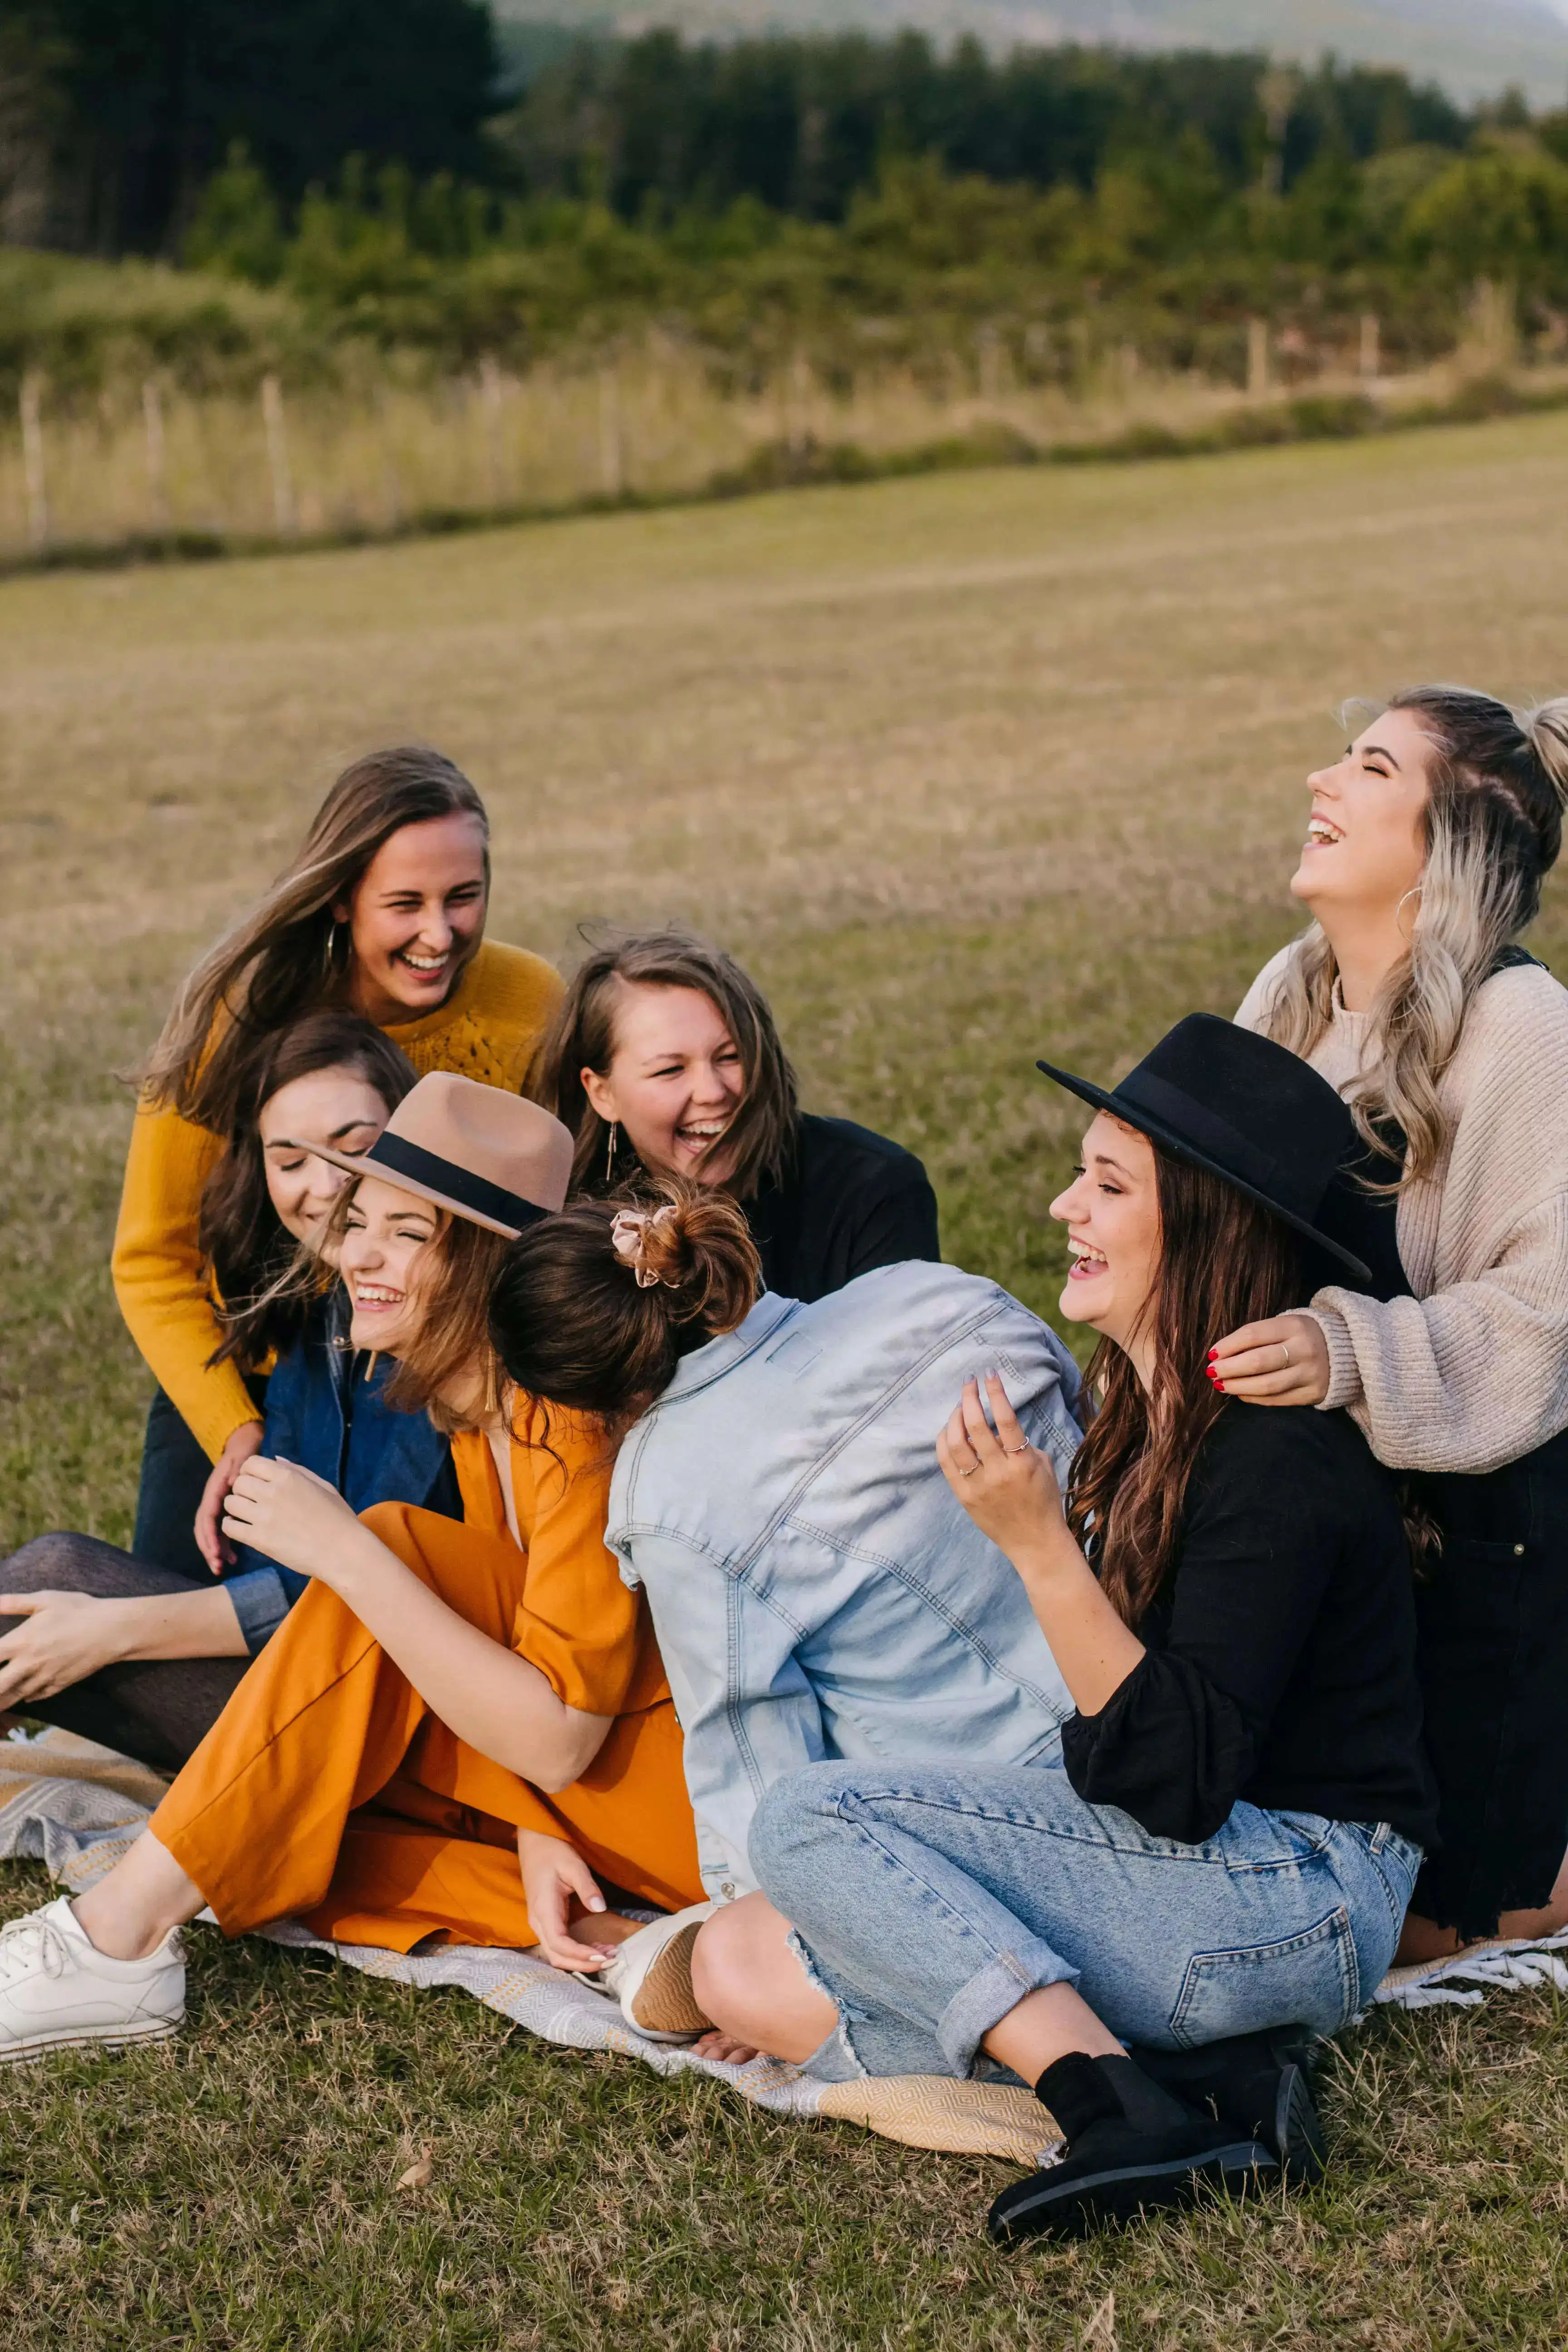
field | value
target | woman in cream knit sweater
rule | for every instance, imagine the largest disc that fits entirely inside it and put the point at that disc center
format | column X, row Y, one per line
column 1425, row 851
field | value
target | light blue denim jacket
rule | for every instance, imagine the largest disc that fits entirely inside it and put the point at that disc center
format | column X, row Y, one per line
column 817, row 1589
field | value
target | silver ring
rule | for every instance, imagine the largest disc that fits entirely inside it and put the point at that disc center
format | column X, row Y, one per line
column 971, row 1471
column 1015, row 1449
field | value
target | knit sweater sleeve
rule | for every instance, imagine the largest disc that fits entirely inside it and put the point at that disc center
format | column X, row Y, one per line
column 158, row 1275
column 1475, row 1373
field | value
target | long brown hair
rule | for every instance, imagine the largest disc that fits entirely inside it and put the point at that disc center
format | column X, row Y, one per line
column 246, row 1253
column 573, row 1324
column 582, row 1037
column 286, row 955
column 1224, row 1261
column 1493, row 825
column 456, row 1272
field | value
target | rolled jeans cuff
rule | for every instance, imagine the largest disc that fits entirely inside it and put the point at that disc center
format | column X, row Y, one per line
column 261, row 1604
column 974, row 2009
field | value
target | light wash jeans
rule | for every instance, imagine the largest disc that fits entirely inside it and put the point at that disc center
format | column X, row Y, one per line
column 927, row 1902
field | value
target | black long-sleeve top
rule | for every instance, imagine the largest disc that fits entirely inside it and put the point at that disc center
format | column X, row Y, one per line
column 1280, row 1649
column 848, row 1201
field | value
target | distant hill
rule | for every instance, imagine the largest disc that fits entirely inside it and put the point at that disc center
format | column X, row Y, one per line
column 1477, row 47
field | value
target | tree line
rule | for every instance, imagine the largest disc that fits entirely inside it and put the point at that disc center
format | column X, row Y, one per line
column 849, row 201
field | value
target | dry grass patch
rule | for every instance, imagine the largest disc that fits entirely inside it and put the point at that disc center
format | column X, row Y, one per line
column 968, row 768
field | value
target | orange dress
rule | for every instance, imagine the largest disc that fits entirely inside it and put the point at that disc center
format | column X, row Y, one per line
column 328, row 1790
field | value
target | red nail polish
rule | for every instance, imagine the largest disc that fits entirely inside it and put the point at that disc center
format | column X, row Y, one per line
column 1213, row 1353
column 1220, row 1385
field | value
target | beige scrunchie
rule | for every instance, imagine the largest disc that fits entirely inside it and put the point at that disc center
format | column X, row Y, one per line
column 629, row 1230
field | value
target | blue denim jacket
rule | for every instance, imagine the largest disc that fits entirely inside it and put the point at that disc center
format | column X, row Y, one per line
column 322, row 1412
column 816, row 1589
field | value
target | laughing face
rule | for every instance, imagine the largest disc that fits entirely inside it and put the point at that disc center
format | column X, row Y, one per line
column 1365, row 844
column 1111, row 1212
column 675, row 1080
column 336, row 1107
column 387, row 1232
column 416, row 917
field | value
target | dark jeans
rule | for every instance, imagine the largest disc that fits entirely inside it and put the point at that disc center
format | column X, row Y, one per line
column 156, row 1709
column 175, row 1471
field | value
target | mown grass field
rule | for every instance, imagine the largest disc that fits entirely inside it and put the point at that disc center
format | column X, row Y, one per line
column 968, row 768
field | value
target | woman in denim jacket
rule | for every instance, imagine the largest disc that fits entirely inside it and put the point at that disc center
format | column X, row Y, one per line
column 139, row 1653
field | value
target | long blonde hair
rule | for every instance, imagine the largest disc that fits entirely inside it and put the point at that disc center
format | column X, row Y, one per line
column 285, row 957
column 1493, row 828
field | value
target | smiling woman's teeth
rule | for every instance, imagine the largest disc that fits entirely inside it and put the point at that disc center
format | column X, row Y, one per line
column 370, row 1294
column 1320, row 830
column 423, row 963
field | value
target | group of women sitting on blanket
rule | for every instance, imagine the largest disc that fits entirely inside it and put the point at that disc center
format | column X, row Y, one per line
column 576, row 1490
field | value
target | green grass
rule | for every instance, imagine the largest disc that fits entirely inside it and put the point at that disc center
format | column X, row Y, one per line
column 969, row 769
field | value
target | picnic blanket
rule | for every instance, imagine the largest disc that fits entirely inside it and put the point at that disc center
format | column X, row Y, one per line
column 75, row 1807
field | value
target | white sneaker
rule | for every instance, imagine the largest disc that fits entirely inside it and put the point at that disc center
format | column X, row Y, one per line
column 58, row 1990
column 650, row 1975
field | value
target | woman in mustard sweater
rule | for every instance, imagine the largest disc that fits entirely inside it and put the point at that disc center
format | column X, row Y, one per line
column 383, row 912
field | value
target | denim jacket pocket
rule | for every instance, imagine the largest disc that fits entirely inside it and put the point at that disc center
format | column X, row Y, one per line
column 1311, row 1978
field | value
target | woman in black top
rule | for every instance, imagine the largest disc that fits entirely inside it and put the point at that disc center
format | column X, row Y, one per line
column 1226, row 1844
column 663, row 1054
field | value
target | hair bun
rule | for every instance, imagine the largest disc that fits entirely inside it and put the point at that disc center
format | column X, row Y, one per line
column 691, row 1239
column 1545, row 728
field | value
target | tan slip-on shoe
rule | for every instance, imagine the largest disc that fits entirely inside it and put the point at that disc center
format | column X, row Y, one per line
column 650, row 1977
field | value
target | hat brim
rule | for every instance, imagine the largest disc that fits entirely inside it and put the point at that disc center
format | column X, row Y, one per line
column 364, row 1165
column 1103, row 1098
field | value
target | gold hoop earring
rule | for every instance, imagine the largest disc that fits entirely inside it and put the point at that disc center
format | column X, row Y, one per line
column 610, row 1153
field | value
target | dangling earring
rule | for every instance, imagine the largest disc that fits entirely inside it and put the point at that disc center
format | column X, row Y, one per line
column 610, row 1153
column 1414, row 892
column 332, row 954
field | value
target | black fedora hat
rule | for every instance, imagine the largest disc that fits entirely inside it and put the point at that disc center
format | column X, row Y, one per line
column 1242, row 1107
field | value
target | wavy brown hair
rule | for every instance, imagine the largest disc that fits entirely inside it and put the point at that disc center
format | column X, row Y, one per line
column 288, row 955
column 582, row 1037
column 1224, row 1261
column 262, row 1286
column 573, row 1325
column 454, row 1276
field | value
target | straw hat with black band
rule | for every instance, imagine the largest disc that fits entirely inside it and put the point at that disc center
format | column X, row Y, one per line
column 1245, row 1109
column 490, row 1157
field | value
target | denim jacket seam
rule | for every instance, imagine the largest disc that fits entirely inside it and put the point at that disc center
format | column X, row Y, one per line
column 900, row 1571
column 949, row 1339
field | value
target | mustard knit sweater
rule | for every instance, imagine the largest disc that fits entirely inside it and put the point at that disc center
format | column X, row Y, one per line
column 486, row 1029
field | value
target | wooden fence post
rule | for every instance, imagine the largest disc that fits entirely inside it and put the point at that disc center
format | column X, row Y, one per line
column 1256, row 358
column 157, row 466
column 989, row 357
column 1370, row 356
column 33, row 472
column 612, row 434
column 284, row 511
column 490, row 398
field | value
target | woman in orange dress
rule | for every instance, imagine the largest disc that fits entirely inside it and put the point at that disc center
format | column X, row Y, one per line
column 460, row 1729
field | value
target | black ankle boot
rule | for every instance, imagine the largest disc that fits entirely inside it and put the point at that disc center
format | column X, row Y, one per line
column 1132, row 2147
column 1256, row 2082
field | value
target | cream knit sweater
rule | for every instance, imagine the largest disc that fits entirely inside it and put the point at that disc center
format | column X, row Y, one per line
column 1472, row 1371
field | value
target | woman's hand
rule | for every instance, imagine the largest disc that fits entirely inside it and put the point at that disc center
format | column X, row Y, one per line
column 1284, row 1360
column 554, row 1877
column 293, row 1516
column 66, row 1637
column 1006, row 1486
column 245, row 1442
